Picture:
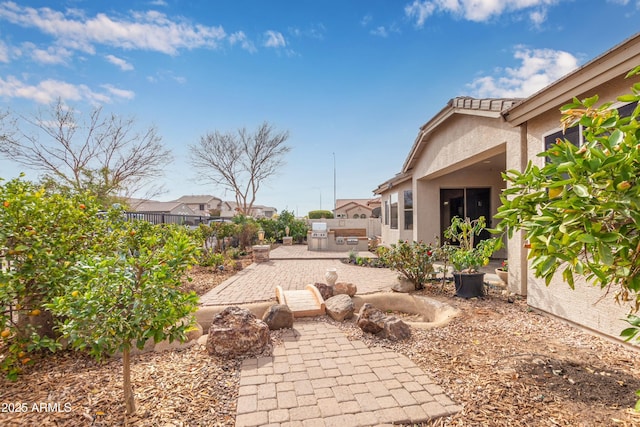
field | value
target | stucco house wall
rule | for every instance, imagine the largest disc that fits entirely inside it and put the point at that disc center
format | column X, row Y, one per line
column 392, row 235
column 452, row 151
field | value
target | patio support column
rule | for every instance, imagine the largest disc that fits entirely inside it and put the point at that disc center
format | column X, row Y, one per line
column 517, row 254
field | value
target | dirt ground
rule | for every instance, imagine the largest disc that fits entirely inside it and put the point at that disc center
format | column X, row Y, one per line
column 504, row 363
column 509, row 365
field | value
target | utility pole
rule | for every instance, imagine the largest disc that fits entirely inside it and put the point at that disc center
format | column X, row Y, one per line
column 335, row 207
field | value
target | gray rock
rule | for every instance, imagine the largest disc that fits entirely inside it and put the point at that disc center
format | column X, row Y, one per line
column 404, row 285
column 395, row 329
column 325, row 290
column 236, row 331
column 345, row 288
column 340, row 307
column 370, row 319
column 278, row 316
column 374, row 321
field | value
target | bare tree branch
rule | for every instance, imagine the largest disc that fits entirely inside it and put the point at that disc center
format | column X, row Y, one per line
column 241, row 161
column 106, row 155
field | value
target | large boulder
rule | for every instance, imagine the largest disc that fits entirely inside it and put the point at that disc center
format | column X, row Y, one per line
column 340, row 307
column 236, row 331
column 325, row 290
column 371, row 319
column 278, row 316
column 374, row 321
column 345, row 288
column 395, row 329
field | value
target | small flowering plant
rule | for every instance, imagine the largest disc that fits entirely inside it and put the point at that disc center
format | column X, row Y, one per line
column 413, row 260
column 505, row 265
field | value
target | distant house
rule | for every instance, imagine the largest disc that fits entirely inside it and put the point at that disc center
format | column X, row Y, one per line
column 152, row 206
column 356, row 208
column 230, row 209
column 204, row 205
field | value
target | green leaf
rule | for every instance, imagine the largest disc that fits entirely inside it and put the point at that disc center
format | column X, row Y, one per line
column 581, row 190
column 629, row 333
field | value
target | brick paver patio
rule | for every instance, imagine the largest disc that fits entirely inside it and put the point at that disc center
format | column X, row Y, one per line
column 318, row 377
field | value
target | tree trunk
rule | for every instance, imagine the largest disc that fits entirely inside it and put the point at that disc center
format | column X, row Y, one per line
column 126, row 380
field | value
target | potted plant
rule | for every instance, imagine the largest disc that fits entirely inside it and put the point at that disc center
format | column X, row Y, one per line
column 503, row 271
column 469, row 256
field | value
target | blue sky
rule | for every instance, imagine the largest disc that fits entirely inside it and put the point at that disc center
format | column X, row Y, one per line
column 355, row 78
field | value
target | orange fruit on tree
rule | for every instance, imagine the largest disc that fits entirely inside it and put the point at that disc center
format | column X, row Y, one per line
column 34, row 312
column 5, row 333
column 6, row 204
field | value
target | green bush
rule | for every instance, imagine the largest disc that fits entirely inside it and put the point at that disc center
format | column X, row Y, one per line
column 130, row 295
column 319, row 214
column 413, row 260
column 211, row 260
column 42, row 234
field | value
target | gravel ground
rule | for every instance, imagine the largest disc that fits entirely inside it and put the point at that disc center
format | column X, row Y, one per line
column 507, row 366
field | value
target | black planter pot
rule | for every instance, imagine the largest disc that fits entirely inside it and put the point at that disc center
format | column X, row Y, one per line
column 469, row 285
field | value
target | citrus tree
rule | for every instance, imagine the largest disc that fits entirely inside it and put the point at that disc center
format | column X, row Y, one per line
column 122, row 299
column 42, row 233
column 581, row 210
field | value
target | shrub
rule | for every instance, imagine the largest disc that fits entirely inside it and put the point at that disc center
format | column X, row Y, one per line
column 126, row 297
column 413, row 260
column 319, row 214
column 42, row 234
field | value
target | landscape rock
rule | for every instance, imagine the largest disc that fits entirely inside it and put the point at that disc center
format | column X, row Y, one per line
column 236, row 331
column 374, row 321
column 371, row 319
column 325, row 290
column 345, row 288
column 404, row 285
column 278, row 316
column 395, row 329
column 340, row 307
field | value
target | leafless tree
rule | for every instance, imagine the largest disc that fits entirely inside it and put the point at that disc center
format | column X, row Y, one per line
column 240, row 161
column 106, row 155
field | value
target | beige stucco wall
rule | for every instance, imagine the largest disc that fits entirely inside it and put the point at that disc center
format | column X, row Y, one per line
column 581, row 305
column 393, row 235
column 586, row 305
column 460, row 141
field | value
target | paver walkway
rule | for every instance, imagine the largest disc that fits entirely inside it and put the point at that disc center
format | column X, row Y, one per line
column 258, row 281
column 318, row 377
column 321, row 378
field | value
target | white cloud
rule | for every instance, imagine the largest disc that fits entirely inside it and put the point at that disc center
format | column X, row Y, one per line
column 119, row 62
column 143, row 30
column 241, row 38
column 538, row 69
column 380, row 31
column 120, row 93
column 313, row 31
column 475, row 10
column 420, row 11
column 366, row 20
column 4, row 52
column 51, row 55
column 48, row 91
column 162, row 76
column 274, row 39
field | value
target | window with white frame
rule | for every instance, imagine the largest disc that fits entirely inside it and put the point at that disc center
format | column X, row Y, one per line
column 393, row 203
column 408, row 210
column 386, row 212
